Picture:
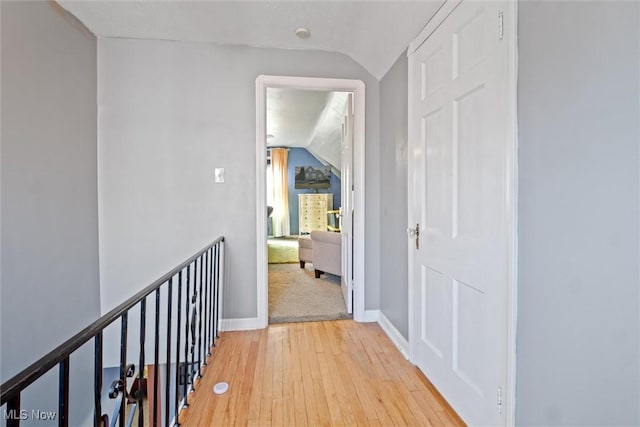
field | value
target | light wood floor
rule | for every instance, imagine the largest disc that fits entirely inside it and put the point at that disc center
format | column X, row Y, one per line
column 317, row 373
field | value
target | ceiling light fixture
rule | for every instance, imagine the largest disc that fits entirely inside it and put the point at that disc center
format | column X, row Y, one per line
column 303, row 33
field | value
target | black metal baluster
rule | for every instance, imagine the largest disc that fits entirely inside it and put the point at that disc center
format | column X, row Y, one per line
column 192, row 325
column 123, row 364
column 63, row 393
column 217, row 319
column 167, row 388
column 143, row 333
column 97, row 380
column 205, row 314
column 186, row 336
column 209, row 293
column 13, row 411
column 177, row 400
column 212, row 341
column 200, row 319
column 221, row 273
column 214, row 323
column 156, row 356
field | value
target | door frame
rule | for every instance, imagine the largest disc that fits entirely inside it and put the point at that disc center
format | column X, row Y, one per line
column 357, row 87
column 511, row 167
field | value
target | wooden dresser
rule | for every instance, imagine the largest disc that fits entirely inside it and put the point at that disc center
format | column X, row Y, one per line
column 312, row 211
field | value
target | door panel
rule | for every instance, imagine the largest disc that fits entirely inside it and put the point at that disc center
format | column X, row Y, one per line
column 468, row 164
column 469, row 46
column 433, row 316
column 434, row 145
column 458, row 150
column 469, row 318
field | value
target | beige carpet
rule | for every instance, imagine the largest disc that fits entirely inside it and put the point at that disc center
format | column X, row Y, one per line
column 295, row 295
column 282, row 250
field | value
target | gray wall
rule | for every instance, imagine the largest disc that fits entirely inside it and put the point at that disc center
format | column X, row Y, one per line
column 393, row 195
column 49, row 238
column 578, row 326
column 169, row 113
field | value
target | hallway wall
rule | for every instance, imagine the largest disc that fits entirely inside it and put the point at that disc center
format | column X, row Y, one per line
column 579, row 238
column 169, row 113
column 394, row 122
column 49, row 214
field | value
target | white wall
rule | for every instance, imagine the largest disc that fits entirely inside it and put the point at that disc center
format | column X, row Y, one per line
column 578, row 327
column 394, row 299
column 169, row 113
column 49, row 241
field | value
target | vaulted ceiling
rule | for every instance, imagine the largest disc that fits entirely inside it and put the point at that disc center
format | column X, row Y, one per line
column 307, row 119
column 292, row 115
column 373, row 33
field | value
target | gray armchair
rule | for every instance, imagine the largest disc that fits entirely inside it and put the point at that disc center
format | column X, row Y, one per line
column 327, row 252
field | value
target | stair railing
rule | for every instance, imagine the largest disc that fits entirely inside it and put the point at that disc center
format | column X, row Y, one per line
column 199, row 283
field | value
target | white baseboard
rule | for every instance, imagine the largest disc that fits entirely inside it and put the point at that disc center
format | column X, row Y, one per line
column 370, row 316
column 394, row 335
column 247, row 324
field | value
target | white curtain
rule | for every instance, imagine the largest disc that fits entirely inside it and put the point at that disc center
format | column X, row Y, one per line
column 280, row 214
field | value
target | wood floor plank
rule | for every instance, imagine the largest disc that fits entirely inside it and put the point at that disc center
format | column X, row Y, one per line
column 364, row 398
column 328, row 387
column 304, row 409
column 355, row 403
column 224, row 413
column 266, row 399
column 242, row 405
column 223, row 356
column 347, row 417
column 313, row 339
column 337, row 373
column 258, row 377
column 412, row 412
column 288, row 382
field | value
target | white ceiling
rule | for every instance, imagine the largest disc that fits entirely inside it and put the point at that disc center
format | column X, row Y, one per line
column 373, row 33
column 308, row 119
column 292, row 115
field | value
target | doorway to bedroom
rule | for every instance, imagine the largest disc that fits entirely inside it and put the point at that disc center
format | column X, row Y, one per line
column 304, row 171
column 306, row 139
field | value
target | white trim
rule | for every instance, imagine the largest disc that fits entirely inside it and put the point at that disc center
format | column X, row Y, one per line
column 261, row 205
column 432, row 24
column 394, row 335
column 370, row 316
column 311, row 83
column 247, row 324
column 410, row 219
column 512, row 215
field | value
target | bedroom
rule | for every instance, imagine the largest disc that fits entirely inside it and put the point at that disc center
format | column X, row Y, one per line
column 304, row 195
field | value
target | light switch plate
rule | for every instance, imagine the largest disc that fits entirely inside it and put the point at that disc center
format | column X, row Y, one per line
column 219, row 175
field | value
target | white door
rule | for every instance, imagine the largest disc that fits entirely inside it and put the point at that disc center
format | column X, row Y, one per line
column 458, row 159
column 346, row 210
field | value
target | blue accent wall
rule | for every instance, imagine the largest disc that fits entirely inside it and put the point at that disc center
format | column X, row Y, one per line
column 302, row 157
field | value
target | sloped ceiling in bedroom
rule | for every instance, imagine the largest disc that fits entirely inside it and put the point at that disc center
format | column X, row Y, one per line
column 307, row 119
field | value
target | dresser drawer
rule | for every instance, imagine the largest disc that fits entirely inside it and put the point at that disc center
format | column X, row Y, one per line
column 312, row 211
